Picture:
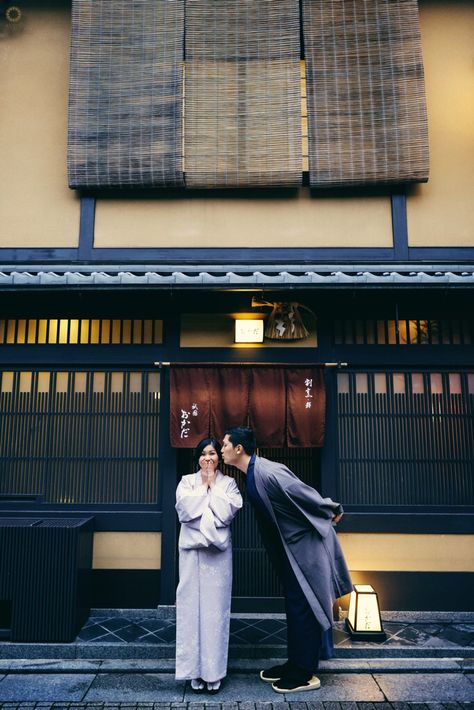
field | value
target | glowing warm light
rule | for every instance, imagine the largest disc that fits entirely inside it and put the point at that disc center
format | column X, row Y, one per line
column 363, row 620
column 249, row 331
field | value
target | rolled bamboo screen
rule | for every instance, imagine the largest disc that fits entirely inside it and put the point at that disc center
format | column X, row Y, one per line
column 125, row 99
column 366, row 95
column 242, row 93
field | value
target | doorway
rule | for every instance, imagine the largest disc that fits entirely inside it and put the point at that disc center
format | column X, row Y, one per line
column 256, row 587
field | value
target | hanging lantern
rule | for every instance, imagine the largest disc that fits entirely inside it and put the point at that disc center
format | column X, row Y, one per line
column 364, row 621
column 285, row 321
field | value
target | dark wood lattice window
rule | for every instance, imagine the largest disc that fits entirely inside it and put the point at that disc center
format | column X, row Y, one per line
column 403, row 331
column 406, row 438
column 79, row 437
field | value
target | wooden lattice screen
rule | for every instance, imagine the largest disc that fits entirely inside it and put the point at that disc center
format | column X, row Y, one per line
column 242, row 93
column 366, row 95
column 79, row 437
column 126, row 93
column 406, row 438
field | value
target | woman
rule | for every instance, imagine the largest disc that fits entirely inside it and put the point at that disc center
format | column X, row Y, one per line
column 206, row 503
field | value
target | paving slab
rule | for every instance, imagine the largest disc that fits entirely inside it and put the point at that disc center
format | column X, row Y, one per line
column 426, row 687
column 135, row 688
column 236, row 687
column 341, row 687
column 57, row 687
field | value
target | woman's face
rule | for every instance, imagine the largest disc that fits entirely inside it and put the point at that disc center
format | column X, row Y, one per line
column 208, row 457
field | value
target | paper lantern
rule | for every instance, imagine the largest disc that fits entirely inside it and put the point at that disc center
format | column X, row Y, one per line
column 363, row 621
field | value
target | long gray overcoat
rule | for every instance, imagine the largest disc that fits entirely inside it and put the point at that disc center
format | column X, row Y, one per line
column 303, row 518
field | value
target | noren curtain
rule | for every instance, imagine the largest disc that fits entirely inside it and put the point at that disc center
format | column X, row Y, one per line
column 366, row 97
column 284, row 405
column 126, row 93
column 242, row 92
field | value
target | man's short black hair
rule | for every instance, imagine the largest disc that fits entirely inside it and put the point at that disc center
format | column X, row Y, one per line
column 244, row 436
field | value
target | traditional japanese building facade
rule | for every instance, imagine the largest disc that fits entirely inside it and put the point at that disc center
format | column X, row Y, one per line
column 113, row 288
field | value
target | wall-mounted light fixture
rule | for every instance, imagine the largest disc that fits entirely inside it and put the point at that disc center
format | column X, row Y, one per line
column 363, row 620
column 248, row 330
column 13, row 14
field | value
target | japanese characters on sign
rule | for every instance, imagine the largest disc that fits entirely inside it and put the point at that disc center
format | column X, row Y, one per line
column 186, row 421
column 308, row 383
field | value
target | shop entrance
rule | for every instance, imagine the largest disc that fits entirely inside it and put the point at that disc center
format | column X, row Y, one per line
column 255, row 585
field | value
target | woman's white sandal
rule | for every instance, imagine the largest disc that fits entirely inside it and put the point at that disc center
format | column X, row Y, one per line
column 197, row 685
column 214, row 687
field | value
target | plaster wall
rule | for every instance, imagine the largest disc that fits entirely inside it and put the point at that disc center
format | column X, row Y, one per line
column 363, row 551
column 441, row 212
column 37, row 209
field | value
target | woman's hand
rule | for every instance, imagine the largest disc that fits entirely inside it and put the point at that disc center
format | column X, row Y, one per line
column 208, row 473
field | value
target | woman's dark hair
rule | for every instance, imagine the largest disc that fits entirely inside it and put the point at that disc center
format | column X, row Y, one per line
column 244, row 436
column 202, row 445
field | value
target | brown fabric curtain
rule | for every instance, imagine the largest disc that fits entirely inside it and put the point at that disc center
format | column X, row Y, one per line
column 190, row 408
column 126, row 93
column 268, row 405
column 284, row 405
column 229, row 395
column 243, row 94
column 306, row 406
column 367, row 119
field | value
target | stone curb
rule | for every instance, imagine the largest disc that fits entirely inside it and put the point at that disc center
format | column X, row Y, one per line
column 407, row 665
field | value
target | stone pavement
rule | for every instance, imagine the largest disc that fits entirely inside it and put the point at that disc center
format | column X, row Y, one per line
column 122, row 685
column 427, row 663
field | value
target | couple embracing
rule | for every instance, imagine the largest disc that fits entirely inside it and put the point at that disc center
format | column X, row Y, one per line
column 296, row 525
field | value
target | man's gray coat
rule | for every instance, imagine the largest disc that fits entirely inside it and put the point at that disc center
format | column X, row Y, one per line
column 304, row 519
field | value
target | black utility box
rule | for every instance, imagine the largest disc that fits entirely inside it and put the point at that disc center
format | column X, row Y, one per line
column 45, row 568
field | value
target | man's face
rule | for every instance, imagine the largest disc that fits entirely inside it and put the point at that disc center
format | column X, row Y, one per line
column 228, row 451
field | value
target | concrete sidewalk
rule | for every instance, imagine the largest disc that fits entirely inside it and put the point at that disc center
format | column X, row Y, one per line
column 144, row 681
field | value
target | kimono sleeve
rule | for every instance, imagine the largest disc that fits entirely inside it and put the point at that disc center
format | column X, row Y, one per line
column 225, row 503
column 190, row 502
column 318, row 510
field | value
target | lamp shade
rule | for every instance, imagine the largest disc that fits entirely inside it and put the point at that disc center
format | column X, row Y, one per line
column 363, row 620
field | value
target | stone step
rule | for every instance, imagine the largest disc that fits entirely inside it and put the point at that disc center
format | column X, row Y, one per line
column 43, row 666
column 166, row 652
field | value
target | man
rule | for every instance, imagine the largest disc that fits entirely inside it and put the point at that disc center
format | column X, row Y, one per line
column 296, row 525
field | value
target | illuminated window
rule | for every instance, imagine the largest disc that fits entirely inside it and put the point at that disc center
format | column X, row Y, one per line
column 403, row 332
column 82, row 331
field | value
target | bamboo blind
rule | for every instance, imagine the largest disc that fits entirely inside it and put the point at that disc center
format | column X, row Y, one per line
column 366, row 97
column 242, row 93
column 125, row 99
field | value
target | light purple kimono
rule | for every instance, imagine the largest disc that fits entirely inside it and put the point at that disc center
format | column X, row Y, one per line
column 204, row 591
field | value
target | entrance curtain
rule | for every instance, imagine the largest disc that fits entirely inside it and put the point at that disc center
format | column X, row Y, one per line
column 367, row 118
column 229, row 396
column 126, row 93
column 268, row 405
column 306, row 406
column 285, row 406
column 189, row 405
